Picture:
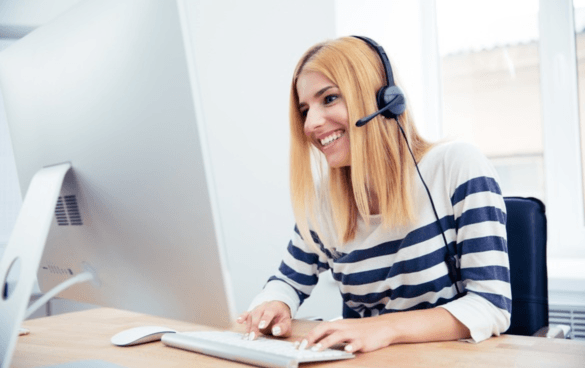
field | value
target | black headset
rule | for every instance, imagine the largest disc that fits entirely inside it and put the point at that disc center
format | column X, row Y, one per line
column 392, row 103
column 390, row 98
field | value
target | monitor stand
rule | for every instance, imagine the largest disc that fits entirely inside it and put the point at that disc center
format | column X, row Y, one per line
column 24, row 252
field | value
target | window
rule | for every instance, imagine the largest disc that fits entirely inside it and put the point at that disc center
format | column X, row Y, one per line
column 491, row 86
column 561, row 138
column 508, row 85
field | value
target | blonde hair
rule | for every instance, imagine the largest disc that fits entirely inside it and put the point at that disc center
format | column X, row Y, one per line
column 380, row 161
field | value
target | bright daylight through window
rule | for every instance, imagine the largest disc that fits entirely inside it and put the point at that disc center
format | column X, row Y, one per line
column 491, row 86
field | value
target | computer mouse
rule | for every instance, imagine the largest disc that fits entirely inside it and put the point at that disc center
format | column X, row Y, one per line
column 140, row 335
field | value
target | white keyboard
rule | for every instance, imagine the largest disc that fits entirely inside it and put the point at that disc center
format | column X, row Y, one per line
column 262, row 352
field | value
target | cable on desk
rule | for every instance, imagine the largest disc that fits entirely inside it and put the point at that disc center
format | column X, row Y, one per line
column 82, row 277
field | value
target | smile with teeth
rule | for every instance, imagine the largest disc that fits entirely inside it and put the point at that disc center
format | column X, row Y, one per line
column 331, row 138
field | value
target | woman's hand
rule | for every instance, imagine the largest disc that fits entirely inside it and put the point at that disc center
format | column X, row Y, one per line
column 363, row 334
column 368, row 334
column 268, row 318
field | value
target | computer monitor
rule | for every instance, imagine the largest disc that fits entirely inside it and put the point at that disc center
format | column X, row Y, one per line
column 104, row 112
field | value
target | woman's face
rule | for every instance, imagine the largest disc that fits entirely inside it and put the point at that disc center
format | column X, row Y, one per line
column 326, row 118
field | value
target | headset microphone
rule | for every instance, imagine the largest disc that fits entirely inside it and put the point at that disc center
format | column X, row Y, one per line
column 363, row 121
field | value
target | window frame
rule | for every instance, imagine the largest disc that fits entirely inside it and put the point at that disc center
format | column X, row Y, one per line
column 560, row 115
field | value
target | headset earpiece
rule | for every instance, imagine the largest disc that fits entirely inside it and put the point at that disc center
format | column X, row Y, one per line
column 393, row 96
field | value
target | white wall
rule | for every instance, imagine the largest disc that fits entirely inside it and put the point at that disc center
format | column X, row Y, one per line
column 245, row 55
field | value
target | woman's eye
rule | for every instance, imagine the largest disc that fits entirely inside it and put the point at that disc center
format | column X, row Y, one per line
column 304, row 113
column 330, row 98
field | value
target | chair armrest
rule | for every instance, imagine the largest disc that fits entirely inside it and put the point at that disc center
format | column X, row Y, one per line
column 554, row 332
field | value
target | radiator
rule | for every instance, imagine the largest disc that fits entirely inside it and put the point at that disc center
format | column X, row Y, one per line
column 573, row 316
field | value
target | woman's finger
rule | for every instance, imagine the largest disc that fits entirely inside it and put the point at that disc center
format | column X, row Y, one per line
column 333, row 338
column 282, row 326
column 253, row 321
column 242, row 318
column 266, row 320
column 319, row 332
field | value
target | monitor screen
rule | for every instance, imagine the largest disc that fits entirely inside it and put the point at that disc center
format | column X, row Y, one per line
column 110, row 89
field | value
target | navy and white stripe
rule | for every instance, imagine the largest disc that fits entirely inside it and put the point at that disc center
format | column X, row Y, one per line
column 388, row 270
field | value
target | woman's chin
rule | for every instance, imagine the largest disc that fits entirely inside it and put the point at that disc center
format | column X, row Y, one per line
column 337, row 162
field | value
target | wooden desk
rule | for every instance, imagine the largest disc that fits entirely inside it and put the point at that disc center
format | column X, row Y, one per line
column 86, row 335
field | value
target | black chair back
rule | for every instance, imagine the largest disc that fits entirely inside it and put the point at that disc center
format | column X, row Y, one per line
column 526, row 227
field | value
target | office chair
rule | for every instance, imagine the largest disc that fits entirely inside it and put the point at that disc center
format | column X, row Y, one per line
column 527, row 236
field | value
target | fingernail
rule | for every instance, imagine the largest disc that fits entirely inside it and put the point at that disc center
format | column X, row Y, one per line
column 303, row 345
column 239, row 319
column 316, row 347
column 297, row 344
column 262, row 324
column 348, row 348
column 252, row 336
column 276, row 330
column 245, row 337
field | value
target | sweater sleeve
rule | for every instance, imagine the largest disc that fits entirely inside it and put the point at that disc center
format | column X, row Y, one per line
column 480, row 220
column 297, row 275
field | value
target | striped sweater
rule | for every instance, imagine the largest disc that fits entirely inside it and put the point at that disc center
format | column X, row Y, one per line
column 386, row 270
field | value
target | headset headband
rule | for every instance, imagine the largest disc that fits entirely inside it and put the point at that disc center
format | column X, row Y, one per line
column 385, row 61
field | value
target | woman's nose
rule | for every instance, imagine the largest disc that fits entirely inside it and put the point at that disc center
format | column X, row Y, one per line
column 313, row 120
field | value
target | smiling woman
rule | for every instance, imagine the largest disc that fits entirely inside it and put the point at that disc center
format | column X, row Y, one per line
column 414, row 260
column 344, row 71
